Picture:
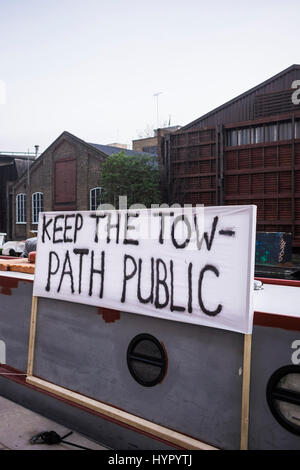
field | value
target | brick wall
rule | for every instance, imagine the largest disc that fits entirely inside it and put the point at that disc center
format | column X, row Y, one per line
column 139, row 144
column 42, row 179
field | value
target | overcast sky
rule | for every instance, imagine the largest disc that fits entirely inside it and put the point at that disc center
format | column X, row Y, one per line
column 92, row 66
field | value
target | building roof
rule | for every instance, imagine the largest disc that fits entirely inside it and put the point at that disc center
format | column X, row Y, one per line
column 101, row 151
column 241, row 108
column 10, row 156
column 110, row 150
column 19, row 160
column 21, row 167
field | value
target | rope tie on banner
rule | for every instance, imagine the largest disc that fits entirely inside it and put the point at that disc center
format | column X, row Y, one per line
column 51, row 438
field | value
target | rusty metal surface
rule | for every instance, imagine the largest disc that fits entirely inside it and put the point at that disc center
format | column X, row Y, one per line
column 202, row 163
column 192, row 168
column 266, row 174
column 200, row 169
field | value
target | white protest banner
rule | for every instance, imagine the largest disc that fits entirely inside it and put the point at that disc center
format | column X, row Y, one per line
column 191, row 265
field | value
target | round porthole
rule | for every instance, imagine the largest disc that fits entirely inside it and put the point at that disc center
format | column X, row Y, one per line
column 283, row 396
column 147, row 360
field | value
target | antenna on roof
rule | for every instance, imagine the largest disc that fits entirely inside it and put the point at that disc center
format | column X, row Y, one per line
column 156, row 96
column 28, row 175
column 36, row 150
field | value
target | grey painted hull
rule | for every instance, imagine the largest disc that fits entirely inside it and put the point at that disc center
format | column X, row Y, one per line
column 200, row 395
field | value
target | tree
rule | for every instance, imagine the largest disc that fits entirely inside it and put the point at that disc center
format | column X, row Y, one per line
column 134, row 176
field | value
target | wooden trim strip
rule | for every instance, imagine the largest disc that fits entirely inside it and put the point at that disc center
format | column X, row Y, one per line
column 32, row 336
column 15, row 375
column 140, row 424
column 246, row 392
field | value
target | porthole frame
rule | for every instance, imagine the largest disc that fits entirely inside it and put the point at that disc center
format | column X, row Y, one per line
column 273, row 393
column 163, row 363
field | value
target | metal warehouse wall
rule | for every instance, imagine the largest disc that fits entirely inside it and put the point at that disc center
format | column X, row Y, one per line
column 198, row 167
column 190, row 165
column 274, row 93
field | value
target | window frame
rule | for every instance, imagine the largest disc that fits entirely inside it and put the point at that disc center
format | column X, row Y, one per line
column 95, row 197
column 40, row 206
column 21, row 210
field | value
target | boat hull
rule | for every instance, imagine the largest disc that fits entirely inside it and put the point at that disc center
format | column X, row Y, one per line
column 84, row 349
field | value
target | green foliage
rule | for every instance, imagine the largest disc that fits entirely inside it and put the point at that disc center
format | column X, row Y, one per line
column 134, row 176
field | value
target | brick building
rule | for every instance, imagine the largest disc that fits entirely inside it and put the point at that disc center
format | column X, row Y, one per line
column 67, row 176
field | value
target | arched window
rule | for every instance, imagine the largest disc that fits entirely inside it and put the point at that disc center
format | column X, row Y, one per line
column 21, row 208
column 37, row 206
column 95, row 198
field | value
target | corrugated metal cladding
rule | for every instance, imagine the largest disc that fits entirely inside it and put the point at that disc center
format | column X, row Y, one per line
column 244, row 152
column 243, row 107
column 260, row 165
column 274, row 103
column 192, row 169
column 267, row 175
